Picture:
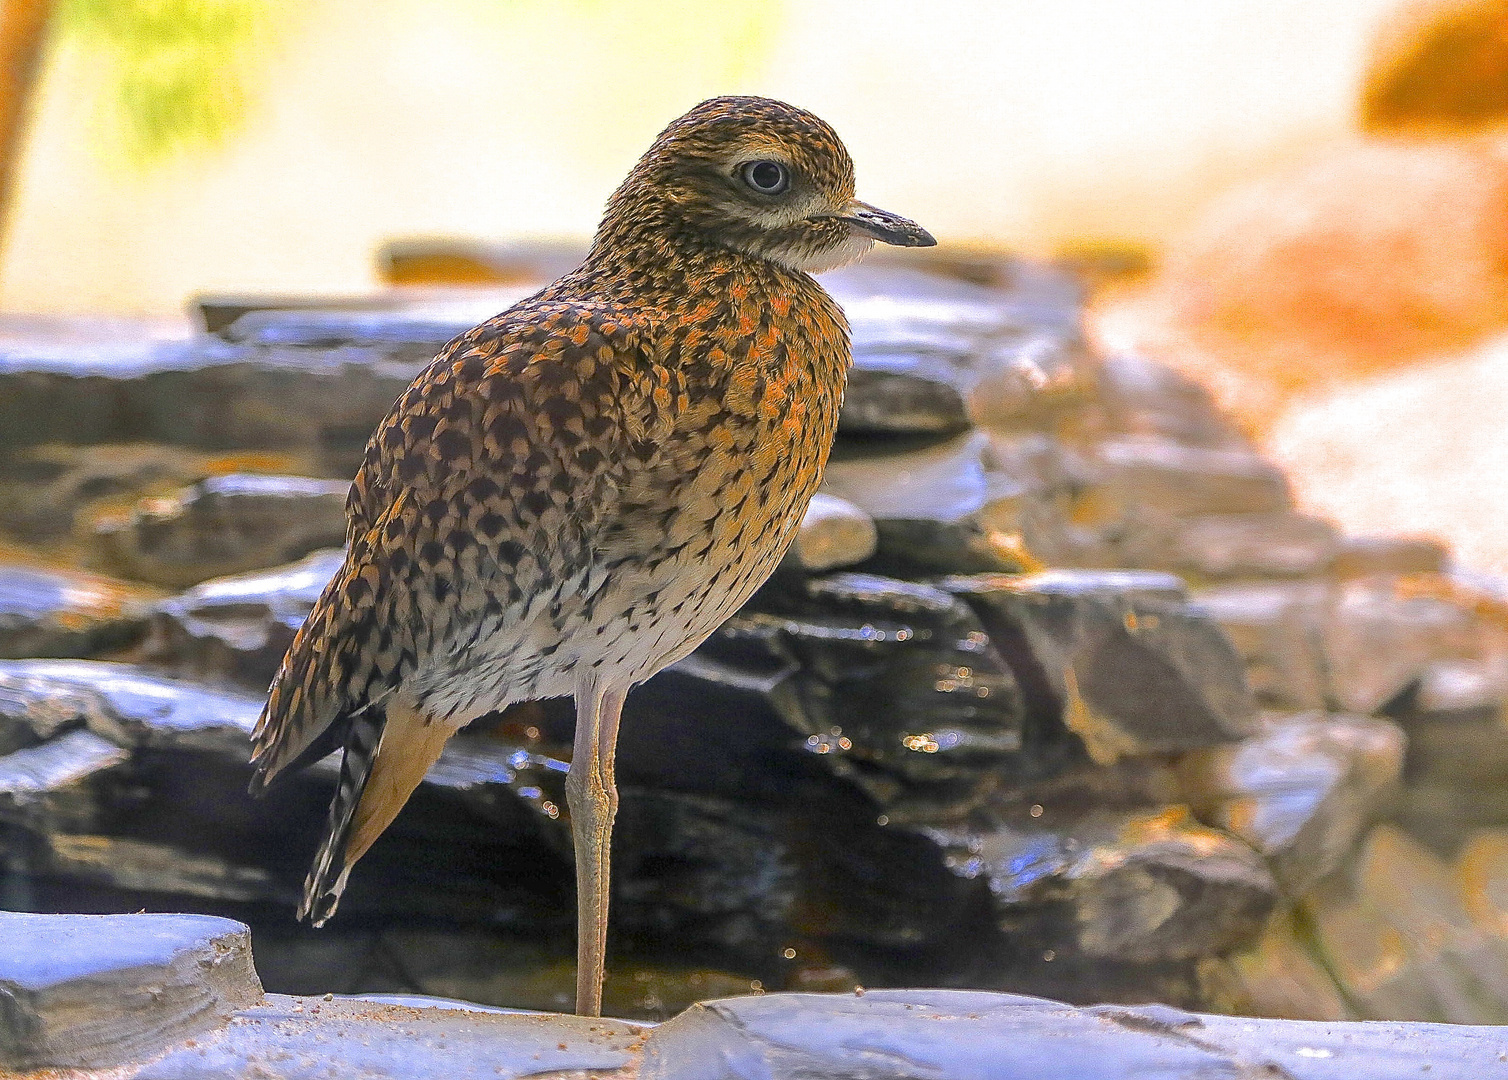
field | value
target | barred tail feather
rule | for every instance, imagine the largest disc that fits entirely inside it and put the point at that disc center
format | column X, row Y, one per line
column 332, row 865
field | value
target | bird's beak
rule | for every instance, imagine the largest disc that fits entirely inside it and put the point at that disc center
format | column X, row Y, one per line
column 884, row 226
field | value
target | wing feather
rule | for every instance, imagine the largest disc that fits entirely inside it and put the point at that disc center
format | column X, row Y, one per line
column 489, row 480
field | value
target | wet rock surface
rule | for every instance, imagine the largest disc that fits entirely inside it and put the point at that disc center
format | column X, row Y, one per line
column 225, row 524
column 997, row 721
column 67, row 613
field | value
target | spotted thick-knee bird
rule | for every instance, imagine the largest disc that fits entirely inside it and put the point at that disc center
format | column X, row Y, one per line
column 575, row 493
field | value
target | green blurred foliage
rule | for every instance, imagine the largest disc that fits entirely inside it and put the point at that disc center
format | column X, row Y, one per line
column 179, row 66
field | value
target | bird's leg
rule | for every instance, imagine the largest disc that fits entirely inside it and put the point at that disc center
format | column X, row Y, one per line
column 593, row 798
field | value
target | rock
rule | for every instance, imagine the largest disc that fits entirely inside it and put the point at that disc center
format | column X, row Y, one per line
column 1399, row 939
column 206, row 394
column 238, row 627
column 224, row 525
column 39, row 785
column 834, row 533
column 1280, row 976
column 893, row 688
column 45, row 491
column 1128, row 666
column 695, row 870
column 944, row 506
column 1300, row 791
column 66, row 613
column 305, row 1038
column 896, row 1034
column 1140, row 887
column 97, row 991
column 1389, row 556
column 1482, row 876
column 1280, row 545
column 1456, row 769
column 1141, row 398
column 1381, row 636
column 1180, row 480
column 145, row 867
column 1437, row 68
column 1278, row 628
column 1031, row 383
column 131, row 708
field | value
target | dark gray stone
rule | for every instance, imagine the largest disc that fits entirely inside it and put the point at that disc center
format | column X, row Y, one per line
column 206, row 393
column 132, row 708
column 941, row 507
column 1129, row 669
column 238, row 627
column 51, row 492
column 223, row 525
column 95, row 991
column 1133, row 887
column 890, row 686
column 1180, row 480
column 1278, row 628
column 928, row 361
column 66, row 613
column 1301, row 791
column 1381, row 637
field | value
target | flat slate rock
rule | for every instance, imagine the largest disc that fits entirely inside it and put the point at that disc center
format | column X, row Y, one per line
column 93, row 991
column 223, row 525
column 132, row 708
column 67, row 613
column 945, row 1034
column 292, row 1038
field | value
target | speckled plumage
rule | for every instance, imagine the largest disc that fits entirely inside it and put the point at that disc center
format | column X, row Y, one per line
column 575, row 493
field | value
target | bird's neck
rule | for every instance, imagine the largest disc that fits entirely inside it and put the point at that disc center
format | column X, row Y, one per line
column 647, row 263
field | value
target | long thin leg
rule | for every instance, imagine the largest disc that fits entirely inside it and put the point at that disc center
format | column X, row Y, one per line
column 592, row 794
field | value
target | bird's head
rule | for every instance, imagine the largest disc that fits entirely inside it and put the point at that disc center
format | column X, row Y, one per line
column 757, row 176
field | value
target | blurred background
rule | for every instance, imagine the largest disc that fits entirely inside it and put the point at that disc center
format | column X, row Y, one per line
column 1150, row 636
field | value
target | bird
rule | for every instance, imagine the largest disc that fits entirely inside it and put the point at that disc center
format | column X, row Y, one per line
column 577, row 492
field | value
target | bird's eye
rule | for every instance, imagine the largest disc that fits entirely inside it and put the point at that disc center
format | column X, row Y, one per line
column 766, row 177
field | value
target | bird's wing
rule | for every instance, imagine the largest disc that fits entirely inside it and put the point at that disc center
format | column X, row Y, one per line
column 500, row 462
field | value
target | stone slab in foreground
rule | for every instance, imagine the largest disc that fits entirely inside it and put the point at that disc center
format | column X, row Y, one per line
column 100, row 990
column 173, row 997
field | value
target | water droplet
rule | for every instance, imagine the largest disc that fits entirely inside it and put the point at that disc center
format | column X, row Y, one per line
column 1049, row 955
column 1036, row 810
column 883, row 819
column 789, row 954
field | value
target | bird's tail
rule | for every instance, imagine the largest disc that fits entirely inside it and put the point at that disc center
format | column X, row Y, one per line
column 332, row 865
column 389, row 748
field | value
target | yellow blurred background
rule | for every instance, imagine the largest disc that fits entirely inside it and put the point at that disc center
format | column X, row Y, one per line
column 1018, row 123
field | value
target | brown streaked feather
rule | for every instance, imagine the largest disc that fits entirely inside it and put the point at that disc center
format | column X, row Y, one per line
column 486, row 455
